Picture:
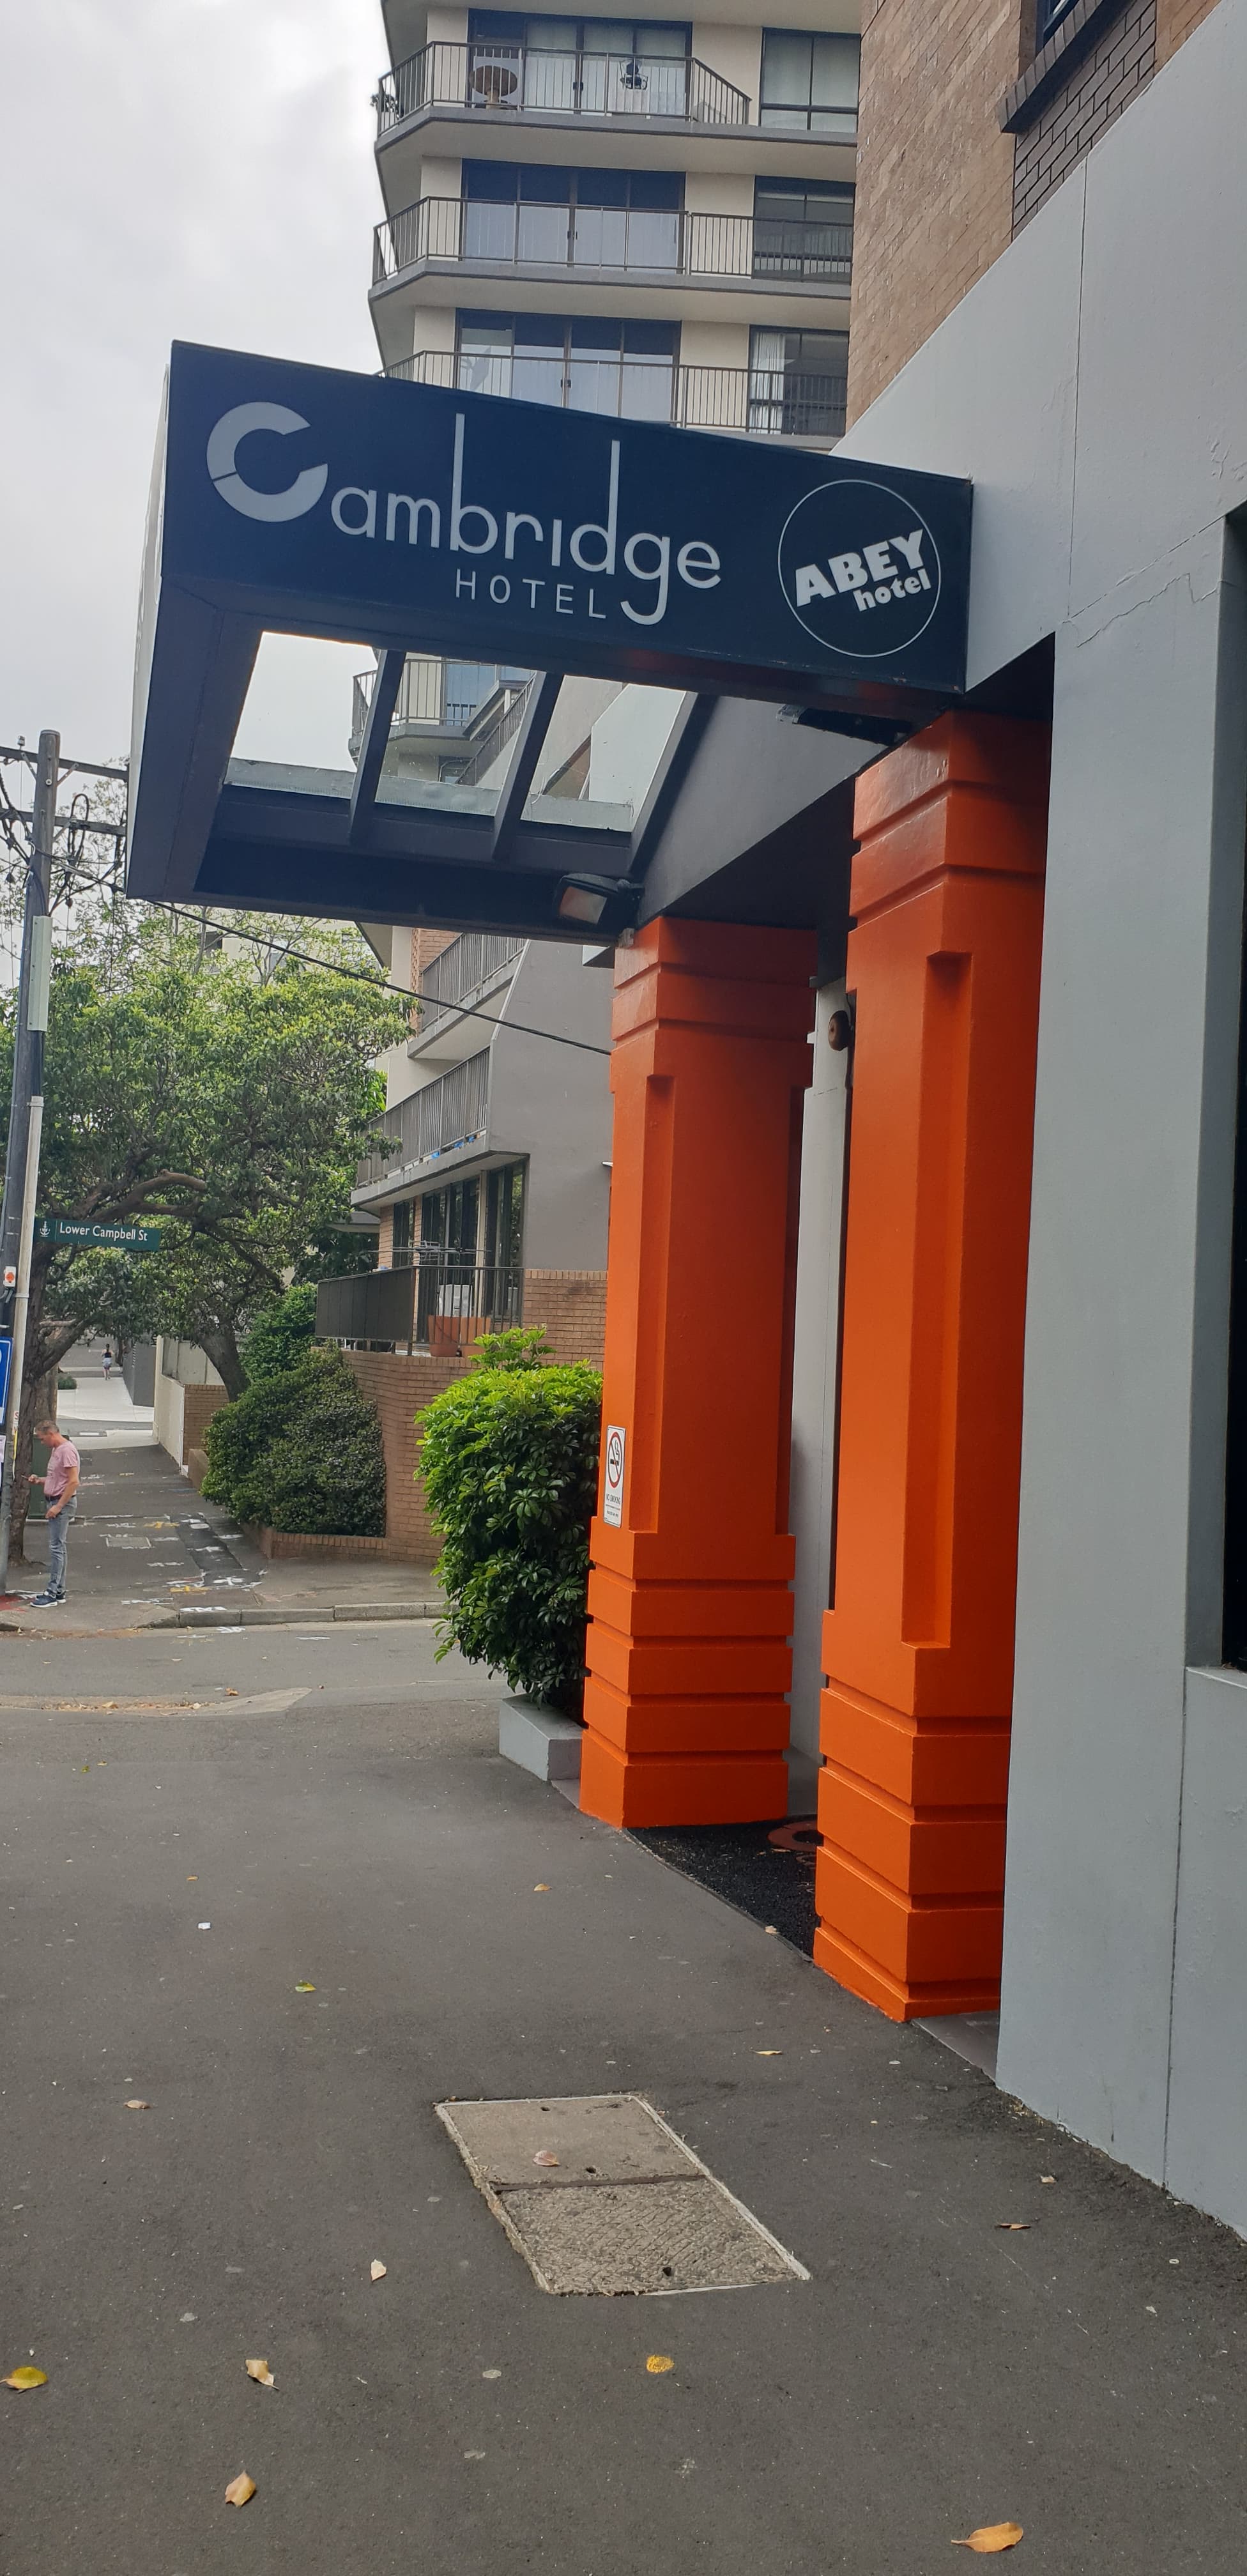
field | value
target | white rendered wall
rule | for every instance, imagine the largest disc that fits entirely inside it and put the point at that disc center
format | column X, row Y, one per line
column 1094, row 385
column 815, row 1347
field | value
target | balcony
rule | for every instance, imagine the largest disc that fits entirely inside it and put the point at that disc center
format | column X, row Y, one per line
column 463, row 971
column 421, row 699
column 657, row 244
column 760, row 402
column 513, row 80
column 446, row 1116
column 441, row 1306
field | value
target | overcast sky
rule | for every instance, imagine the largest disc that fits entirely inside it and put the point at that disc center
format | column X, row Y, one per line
column 170, row 169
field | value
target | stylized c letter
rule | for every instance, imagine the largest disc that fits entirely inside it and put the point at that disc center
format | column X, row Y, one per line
column 223, row 445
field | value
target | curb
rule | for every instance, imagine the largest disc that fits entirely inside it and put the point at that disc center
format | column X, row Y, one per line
column 227, row 1615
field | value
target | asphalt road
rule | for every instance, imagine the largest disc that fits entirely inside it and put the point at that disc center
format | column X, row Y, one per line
column 347, row 1825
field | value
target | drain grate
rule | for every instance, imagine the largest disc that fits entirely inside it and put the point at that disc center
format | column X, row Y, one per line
column 602, row 2199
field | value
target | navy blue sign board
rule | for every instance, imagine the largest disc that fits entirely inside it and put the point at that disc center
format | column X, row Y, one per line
column 6, row 1363
column 308, row 501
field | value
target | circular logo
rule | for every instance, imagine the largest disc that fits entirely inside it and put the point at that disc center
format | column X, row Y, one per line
column 860, row 569
column 614, row 1459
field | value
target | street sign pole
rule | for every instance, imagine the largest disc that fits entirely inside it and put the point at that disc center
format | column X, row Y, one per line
column 21, row 1178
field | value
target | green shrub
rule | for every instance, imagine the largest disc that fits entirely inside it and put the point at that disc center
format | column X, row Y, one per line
column 281, row 1335
column 301, row 1451
column 509, row 1457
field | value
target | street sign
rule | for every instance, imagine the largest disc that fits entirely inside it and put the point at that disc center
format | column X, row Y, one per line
column 84, row 1230
column 6, row 1363
column 612, row 1483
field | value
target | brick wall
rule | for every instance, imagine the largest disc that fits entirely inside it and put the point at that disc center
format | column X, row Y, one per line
column 399, row 1387
column 385, row 1239
column 1102, row 83
column 934, row 173
column 199, row 1405
column 572, row 1306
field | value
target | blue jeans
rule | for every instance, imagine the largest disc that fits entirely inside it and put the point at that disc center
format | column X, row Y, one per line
column 58, row 1541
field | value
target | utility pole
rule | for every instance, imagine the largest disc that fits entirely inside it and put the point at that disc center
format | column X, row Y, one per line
column 21, row 1177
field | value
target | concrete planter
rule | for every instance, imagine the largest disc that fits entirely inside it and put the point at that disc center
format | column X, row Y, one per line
column 539, row 1739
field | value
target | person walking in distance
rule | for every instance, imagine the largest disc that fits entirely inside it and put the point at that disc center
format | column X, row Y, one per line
column 108, row 1362
column 60, row 1485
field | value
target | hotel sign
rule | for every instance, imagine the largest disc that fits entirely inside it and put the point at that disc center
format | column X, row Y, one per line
column 318, row 502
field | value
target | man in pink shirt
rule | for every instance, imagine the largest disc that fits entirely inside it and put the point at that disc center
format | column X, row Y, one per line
column 60, row 1484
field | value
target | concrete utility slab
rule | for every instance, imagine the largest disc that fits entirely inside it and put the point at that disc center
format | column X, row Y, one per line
column 600, row 2197
column 637, row 2239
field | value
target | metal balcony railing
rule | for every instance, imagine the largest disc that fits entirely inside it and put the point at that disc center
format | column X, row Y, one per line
column 452, row 1111
column 769, row 402
column 488, row 74
column 440, row 1305
column 648, row 239
column 421, row 698
column 469, row 962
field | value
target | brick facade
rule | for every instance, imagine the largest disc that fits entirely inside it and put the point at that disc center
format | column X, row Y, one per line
column 941, row 187
column 934, row 173
column 1103, row 81
column 385, row 1238
column 1175, row 21
column 425, row 946
column 572, row 1306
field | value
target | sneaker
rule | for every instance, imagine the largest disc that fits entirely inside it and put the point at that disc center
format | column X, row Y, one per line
column 45, row 1600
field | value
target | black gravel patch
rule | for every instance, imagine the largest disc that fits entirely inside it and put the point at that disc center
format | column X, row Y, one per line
column 765, row 1871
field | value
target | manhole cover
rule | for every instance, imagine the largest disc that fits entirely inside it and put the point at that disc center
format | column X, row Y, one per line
column 601, row 2198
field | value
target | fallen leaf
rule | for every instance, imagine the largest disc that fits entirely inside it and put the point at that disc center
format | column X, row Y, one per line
column 193, row 1878
column 377, row 2270
column 25, row 2377
column 231, row 1694
column 544, row 2157
column 658, row 2362
column 991, row 2537
column 240, row 2489
column 305, row 1990
column 773, row 1929
column 138, row 2106
column 541, row 1888
column 1013, row 2226
column 491, row 2374
column 768, row 2052
column 260, row 2370
column 1047, row 2177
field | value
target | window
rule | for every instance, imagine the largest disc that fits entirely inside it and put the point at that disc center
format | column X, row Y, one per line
column 797, row 382
column 1048, row 16
column 468, row 684
column 448, row 1226
column 810, row 83
column 802, row 228
column 584, row 66
column 404, row 1234
column 624, row 369
column 504, row 1217
column 582, row 218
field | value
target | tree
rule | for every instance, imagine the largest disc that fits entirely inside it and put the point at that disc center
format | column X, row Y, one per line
column 226, row 1098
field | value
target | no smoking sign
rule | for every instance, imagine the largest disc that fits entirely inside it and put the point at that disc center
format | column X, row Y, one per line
column 612, row 1489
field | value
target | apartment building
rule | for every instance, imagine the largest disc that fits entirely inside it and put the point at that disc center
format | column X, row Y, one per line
column 648, row 218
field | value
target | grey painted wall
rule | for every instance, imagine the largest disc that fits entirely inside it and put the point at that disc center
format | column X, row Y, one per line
column 1094, row 385
column 553, row 1103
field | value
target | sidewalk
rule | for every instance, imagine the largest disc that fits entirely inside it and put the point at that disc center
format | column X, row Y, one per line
column 147, row 1551
column 292, row 1934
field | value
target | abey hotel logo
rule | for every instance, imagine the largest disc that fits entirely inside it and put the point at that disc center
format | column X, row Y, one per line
column 860, row 569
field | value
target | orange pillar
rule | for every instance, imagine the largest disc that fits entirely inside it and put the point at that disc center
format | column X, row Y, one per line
column 944, row 958
column 689, row 1602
